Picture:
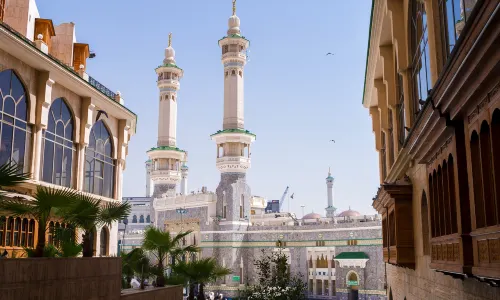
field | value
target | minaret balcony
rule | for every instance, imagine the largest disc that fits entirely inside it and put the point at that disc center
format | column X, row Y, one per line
column 165, row 83
column 230, row 164
column 240, row 56
column 166, row 176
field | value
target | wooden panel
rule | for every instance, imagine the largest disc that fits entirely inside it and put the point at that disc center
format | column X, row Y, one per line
column 45, row 28
column 487, row 254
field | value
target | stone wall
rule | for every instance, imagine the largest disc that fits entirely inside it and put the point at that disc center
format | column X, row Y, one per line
column 164, row 293
column 61, row 278
column 429, row 284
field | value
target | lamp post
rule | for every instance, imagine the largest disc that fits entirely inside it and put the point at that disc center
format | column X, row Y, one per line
column 125, row 221
column 181, row 211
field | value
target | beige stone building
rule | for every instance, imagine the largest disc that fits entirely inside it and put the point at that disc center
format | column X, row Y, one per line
column 61, row 125
column 431, row 88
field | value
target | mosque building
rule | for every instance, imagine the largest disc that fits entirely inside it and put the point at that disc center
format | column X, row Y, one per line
column 336, row 254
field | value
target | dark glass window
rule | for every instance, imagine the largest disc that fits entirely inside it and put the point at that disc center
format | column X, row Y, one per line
column 148, row 219
column 104, row 241
column 15, row 133
column 421, row 70
column 134, row 219
column 58, row 145
column 141, row 219
column 99, row 164
column 454, row 15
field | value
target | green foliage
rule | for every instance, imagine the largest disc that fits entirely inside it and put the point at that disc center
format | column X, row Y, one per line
column 11, row 174
column 274, row 280
column 137, row 263
column 161, row 243
column 64, row 245
column 200, row 272
column 88, row 213
column 46, row 204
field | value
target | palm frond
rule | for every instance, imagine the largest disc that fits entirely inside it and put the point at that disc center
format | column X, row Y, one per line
column 83, row 212
column 178, row 237
column 11, row 174
column 111, row 212
column 17, row 207
column 47, row 198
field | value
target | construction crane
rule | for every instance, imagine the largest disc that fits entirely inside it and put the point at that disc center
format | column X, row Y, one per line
column 283, row 198
column 274, row 206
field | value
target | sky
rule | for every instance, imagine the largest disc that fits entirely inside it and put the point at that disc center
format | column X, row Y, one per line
column 297, row 99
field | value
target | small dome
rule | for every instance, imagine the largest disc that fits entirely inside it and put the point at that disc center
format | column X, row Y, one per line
column 169, row 53
column 349, row 213
column 312, row 216
column 233, row 22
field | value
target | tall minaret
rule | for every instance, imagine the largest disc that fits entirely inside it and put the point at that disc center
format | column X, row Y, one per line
column 233, row 154
column 330, row 210
column 166, row 158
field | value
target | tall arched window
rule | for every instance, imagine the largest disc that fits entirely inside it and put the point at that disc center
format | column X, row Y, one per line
column 99, row 164
column 421, row 66
column 134, row 219
column 15, row 133
column 148, row 219
column 58, row 145
column 241, row 206
column 141, row 219
column 104, row 249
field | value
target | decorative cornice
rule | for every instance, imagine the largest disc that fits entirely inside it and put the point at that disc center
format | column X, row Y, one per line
column 440, row 150
column 348, row 263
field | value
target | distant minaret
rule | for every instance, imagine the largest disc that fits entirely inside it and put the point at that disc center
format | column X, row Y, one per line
column 149, row 185
column 184, row 180
column 166, row 158
column 330, row 210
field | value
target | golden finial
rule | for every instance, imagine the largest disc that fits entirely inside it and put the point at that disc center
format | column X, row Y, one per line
column 234, row 7
column 170, row 39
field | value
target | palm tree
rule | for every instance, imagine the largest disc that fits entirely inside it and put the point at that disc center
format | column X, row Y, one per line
column 201, row 272
column 160, row 244
column 45, row 205
column 138, row 263
column 89, row 213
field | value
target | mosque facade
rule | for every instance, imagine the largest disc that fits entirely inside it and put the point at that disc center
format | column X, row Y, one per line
column 336, row 254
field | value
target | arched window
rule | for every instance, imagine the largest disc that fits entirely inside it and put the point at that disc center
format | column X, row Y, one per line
column 477, row 180
column 17, row 231
column 425, row 223
column 31, row 234
column 487, row 171
column 233, row 72
column 224, row 205
column 148, row 219
column 8, row 232
column 141, row 219
column 495, row 140
column 241, row 206
column 15, row 133
column 134, row 219
column 104, row 251
column 93, row 240
column 352, row 278
column 99, row 164
column 421, row 67
column 58, row 145
column 50, row 233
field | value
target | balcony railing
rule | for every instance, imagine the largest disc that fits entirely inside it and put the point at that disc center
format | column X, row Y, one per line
column 101, row 87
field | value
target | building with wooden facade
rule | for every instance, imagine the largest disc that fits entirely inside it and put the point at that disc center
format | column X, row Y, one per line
column 431, row 88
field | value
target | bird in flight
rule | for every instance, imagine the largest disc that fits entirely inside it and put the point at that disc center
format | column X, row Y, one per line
column 99, row 112
column 329, row 53
column 332, row 141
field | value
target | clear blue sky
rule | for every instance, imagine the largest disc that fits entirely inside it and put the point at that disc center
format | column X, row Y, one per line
column 296, row 98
